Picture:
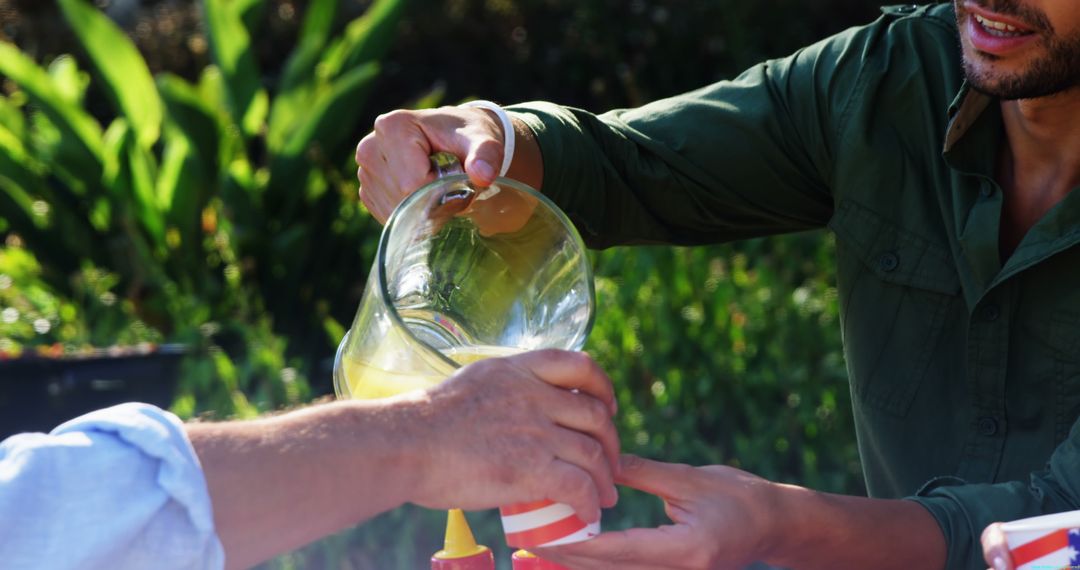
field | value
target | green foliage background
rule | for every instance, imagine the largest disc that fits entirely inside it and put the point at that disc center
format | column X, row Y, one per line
column 193, row 183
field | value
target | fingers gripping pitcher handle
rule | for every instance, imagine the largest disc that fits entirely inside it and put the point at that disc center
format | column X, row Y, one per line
column 446, row 165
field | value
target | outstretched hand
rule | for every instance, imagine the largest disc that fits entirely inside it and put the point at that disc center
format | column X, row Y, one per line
column 717, row 513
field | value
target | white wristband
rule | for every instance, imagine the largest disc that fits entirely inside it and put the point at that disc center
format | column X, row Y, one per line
column 508, row 131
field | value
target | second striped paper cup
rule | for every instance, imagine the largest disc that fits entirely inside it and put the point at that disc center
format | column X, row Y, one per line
column 1048, row 541
column 544, row 523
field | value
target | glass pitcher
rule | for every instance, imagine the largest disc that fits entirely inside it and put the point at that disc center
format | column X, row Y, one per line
column 463, row 274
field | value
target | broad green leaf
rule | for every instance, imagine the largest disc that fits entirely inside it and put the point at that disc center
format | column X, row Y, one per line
column 78, row 173
column 212, row 90
column 288, row 108
column 13, row 146
column 365, row 39
column 318, row 21
column 230, row 46
column 299, row 82
column 129, row 177
column 192, row 155
column 333, row 329
column 32, row 209
column 69, row 80
column 250, row 12
column 332, row 114
column 112, row 171
column 77, row 148
column 183, row 183
column 315, row 32
column 255, row 117
column 320, row 130
column 18, row 179
column 143, row 170
column 125, row 76
column 174, row 166
column 12, row 119
column 101, row 214
column 193, row 116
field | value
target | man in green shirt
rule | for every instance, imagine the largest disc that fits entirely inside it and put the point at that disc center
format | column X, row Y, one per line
column 945, row 170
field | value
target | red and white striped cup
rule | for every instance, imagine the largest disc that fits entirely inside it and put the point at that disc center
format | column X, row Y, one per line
column 544, row 523
column 1048, row 541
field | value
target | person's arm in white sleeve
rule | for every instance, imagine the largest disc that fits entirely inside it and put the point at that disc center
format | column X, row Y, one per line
column 123, row 488
column 117, row 488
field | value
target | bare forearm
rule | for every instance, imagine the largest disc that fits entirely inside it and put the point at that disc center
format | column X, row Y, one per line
column 825, row 531
column 279, row 483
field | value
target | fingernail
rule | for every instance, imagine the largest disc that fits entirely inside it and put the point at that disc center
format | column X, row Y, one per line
column 483, row 169
column 999, row 563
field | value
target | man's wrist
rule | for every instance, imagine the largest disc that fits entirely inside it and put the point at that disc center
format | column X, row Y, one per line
column 788, row 526
column 816, row 530
column 392, row 432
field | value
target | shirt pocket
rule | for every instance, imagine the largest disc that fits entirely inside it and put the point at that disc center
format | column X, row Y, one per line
column 896, row 288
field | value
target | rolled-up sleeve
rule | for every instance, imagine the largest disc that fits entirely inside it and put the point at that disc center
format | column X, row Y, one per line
column 743, row 158
column 117, row 488
column 964, row 510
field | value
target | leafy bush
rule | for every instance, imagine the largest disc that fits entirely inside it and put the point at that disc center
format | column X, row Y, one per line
column 36, row 317
column 212, row 203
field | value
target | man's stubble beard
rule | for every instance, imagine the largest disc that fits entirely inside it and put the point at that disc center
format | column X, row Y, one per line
column 1056, row 71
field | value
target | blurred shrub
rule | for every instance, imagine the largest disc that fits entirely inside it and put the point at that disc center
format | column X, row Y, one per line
column 212, row 203
column 35, row 316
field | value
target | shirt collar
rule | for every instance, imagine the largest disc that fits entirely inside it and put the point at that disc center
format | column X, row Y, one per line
column 963, row 111
column 974, row 132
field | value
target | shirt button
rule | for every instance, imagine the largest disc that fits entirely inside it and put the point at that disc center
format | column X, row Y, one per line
column 988, row 426
column 991, row 312
column 987, row 190
column 888, row 261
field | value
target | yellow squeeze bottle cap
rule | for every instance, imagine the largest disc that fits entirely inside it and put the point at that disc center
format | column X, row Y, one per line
column 459, row 541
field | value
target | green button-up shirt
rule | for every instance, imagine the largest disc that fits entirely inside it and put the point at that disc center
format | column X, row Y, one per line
column 964, row 368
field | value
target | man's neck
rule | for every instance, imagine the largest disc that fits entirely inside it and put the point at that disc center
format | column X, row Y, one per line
column 1040, row 161
column 1044, row 141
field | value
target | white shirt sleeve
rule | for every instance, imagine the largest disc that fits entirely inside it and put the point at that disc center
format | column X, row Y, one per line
column 118, row 488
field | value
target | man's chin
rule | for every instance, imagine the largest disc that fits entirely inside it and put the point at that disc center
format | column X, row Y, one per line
column 1006, row 87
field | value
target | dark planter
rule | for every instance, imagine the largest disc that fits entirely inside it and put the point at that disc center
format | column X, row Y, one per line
column 37, row 393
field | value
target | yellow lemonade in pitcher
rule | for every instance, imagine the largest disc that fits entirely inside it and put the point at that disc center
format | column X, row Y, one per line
column 372, row 380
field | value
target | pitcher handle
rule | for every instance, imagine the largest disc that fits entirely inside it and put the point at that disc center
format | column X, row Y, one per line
column 446, row 164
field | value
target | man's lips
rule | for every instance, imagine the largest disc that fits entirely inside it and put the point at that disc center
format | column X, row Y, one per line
column 996, row 34
column 997, row 22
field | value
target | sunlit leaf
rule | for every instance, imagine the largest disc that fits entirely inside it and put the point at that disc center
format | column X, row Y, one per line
column 230, row 46
column 125, row 76
column 77, row 147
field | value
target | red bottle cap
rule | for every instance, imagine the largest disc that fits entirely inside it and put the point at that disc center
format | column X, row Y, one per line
column 481, row 561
